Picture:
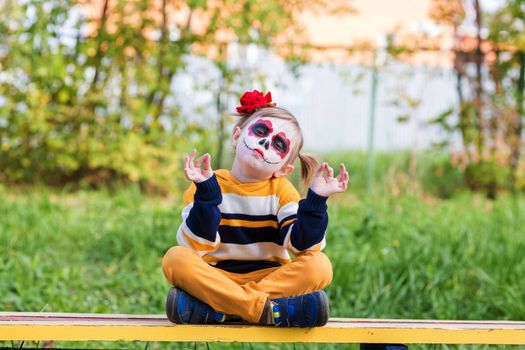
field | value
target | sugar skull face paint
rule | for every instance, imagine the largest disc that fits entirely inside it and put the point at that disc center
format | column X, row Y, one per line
column 268, row 140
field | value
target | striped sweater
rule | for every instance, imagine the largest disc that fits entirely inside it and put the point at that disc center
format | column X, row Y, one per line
column 242, row 227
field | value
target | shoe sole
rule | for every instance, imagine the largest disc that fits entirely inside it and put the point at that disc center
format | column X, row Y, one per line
column 171, row 301
column 324, row 310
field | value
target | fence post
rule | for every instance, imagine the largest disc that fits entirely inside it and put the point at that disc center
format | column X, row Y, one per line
column 371, row 126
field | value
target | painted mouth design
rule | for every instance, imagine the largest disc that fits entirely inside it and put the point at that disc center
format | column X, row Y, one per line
column 258, row 151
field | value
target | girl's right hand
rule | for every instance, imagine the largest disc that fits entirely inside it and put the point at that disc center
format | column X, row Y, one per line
column 193, row 172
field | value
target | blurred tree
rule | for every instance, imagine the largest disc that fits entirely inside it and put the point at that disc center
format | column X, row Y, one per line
column 87, row 88
column 508, row 74
column 85, row 107
column 490, row 85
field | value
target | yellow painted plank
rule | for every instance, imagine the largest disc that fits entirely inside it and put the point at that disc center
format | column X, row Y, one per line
column 260, row 334
column 79, row 327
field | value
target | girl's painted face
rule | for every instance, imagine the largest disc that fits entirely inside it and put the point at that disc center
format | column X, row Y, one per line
column 268, row 141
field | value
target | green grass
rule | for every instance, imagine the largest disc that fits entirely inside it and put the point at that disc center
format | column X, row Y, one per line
column 405, row 258
column 396, row 254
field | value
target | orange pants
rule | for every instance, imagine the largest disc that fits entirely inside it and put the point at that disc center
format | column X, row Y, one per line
column 244, row 294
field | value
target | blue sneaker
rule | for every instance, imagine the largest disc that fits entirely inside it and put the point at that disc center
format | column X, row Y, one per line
column 307, row 310
column 184, row 308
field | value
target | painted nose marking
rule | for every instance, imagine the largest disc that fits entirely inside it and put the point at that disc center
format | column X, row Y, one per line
column 266, row 143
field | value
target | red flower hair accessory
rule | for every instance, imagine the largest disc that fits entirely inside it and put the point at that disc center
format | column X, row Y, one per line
column 253, row 100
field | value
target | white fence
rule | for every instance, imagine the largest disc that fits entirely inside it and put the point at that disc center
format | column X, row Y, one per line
column 332, row 100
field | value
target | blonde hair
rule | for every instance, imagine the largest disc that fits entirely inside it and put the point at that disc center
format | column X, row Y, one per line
column 309, row 163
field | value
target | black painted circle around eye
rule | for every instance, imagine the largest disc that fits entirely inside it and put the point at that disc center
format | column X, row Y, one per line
column 279, row 144
column 260, row 130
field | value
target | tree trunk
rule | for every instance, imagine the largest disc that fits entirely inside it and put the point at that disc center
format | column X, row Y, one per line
column 461, row 98
column 496, row 115
column 220, row 127
column 101, row 30
column 518, row 130
column 158, row 96
column 479, row 79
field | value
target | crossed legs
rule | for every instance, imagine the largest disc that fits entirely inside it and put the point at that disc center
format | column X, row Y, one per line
column 245, row 295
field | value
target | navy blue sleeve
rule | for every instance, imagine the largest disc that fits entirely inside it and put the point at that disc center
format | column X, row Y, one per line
column 205, row 216
column 312, row 220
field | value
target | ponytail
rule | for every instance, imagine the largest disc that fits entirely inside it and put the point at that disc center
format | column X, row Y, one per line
column 309, row 165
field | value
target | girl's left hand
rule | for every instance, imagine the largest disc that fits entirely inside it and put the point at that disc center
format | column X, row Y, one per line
column 326, row 185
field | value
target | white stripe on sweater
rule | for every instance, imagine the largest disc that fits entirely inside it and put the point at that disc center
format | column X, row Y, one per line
column 250, row 205
column 287, row 210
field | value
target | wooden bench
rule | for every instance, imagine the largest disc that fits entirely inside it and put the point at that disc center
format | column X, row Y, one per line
column 22, row 326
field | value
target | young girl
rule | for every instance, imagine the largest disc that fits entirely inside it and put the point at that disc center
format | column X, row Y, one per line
column 239, row 226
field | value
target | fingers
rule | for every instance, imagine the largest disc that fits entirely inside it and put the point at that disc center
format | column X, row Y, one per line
column 342, row 171
column 343, row 174
column 329, row 170
column 204, row 159
column 319, row 172
column 188, row 165
column 187, row 174
column 198, row 162
column 207, row 161
column 190, row 160
column 325, row 167
column 343, row 178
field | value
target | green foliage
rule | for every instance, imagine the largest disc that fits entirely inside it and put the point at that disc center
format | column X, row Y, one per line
column 87, row 89
column 487, row 175
column 88, row 108
column 441, row 178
